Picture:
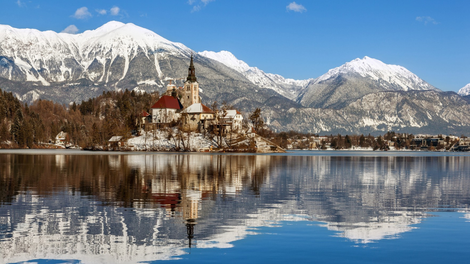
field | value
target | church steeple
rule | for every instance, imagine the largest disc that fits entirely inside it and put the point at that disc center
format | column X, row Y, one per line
column 191, row 71
column 191, row 86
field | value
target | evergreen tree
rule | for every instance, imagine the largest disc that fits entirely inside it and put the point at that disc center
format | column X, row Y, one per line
column 362, row 141
column 4, row 136
column 17, row 125
column 348, row 142
column 257, row 120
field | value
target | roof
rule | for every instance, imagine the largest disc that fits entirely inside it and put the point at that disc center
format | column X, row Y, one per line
column 232, row 114
column 61, row 134
column 166, row 102
column 206, row 109
column 144, row 114
column 197, row 109
column 115, row 139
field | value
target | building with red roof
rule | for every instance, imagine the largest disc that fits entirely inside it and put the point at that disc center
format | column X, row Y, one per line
column 166, row 110
column 145, row 118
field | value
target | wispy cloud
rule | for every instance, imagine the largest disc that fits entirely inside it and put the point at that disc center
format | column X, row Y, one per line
column 20, row 3
column 426, row 20
column 114, row 11
column 102, row 11
column 72, row 29
column 198, row 4
column 82, row 13
column 296, row 7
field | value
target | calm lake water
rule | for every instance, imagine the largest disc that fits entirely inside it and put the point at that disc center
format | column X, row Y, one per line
column 304, row 207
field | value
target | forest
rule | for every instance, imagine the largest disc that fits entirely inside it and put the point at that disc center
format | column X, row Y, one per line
column 88, row 123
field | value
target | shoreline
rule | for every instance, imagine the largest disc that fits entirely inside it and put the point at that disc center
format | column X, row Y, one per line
column 327, row 153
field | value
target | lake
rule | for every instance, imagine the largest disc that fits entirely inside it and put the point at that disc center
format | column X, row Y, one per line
column 301, row 206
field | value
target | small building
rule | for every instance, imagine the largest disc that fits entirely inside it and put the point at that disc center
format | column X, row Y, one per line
column 234, row 119
column 116, row 142
column 144, row 118
column 197, row 116
column 61, row 138
column 166, row 110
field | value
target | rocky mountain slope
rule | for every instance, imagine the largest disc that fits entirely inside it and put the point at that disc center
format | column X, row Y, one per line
column 343, row 85
column 288, row 88
column 402, row 111
column 347, row 99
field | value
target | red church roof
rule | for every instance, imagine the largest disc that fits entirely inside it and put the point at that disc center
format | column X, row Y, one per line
column 206, row 109
column 144, row 114
column 167, row 101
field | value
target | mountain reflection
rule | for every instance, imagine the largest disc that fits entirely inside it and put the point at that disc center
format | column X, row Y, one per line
column 130, row 208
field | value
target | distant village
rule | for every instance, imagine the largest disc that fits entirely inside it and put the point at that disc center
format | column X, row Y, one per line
column 389, row 141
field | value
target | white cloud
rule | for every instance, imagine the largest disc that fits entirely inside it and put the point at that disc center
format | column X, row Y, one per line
column 20, row 3
column 114, row 11
column 102, row 11
column 72, row 29
column 198, row 4
column 296, row 7
column 426, row 20
column 82, row 13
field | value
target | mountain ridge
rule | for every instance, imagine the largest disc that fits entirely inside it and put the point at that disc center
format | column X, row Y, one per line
column 288, row 88
column 359, row 77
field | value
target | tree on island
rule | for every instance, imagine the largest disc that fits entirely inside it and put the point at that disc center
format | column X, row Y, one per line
column 257, row 120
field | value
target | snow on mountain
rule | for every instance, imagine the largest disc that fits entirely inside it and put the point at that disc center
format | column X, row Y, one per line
column 397, row 77
column 351, row 81
column 47, row 57
column 125, row 38
column 465, row 90
column 289, row 88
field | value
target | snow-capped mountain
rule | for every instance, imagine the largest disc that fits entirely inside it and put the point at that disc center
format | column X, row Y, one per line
column 396, row 77
column 65, row 67
column 289, row 88
column 50, row 57
column 465, row 91
column 354, row 79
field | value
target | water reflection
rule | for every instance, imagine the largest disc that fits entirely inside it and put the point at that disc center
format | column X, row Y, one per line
column 130, row 208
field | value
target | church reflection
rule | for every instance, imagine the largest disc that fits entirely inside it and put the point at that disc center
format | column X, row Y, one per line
column 155, row 206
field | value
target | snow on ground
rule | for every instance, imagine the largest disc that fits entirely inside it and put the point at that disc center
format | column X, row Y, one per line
column 160, row 140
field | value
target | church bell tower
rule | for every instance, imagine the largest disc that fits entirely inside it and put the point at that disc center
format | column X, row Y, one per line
column 191, row 86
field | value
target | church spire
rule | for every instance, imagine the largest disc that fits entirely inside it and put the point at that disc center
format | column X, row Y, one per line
column 191, row 71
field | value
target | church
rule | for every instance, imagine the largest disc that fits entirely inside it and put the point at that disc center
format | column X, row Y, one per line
column 189, row 93
column 184, row 104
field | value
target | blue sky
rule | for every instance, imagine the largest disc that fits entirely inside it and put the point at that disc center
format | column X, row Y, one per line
column 300, row 40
